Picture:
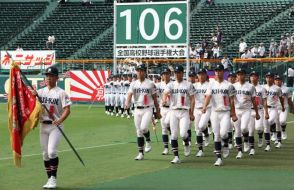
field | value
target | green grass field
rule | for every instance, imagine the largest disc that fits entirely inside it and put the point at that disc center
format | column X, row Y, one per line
column 108, row 147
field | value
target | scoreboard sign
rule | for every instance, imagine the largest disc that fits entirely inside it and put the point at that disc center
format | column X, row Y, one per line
column 161, row 25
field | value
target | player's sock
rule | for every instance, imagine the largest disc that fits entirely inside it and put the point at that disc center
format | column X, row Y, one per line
column 186, row 141
column 239, row 143
column 251, row 142
column 218, row 148
column 284, row 127
column 226, row 142
column 189, row 134
column 47, row 168
column 273, row 128
column 54, row 166
column 267, row 138
column 245, row 136
column 105, row 108
column 122, row 110
column 260, row 134
column 174, row 144
column 116, row 109
column 128, row 111
column 279, row 136
column 140, row 141
column 165, row 140
column 147, row 136
column 230, row 135
column 205, row 132
column 199, row 140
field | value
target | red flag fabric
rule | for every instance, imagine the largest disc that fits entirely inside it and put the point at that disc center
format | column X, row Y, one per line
column 23, row 112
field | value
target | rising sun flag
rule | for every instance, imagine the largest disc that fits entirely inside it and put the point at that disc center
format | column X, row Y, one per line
column 23, row 112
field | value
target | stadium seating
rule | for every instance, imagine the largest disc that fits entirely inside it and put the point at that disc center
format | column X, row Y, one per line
column 15, row 17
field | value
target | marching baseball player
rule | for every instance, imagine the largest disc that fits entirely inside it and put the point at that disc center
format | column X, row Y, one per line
column 123, row 92
column 112, row 95
column 232, row 77
column 164, row 109
column 126, row 86
column 274, row 95
column 260, row 101
column 201, row 119
column 182, row 102
column 287, row 96
column 221, row 94
column 144, row 92
column 117, row 87
column 244, row 101
column 107, row 89
column 58, row 104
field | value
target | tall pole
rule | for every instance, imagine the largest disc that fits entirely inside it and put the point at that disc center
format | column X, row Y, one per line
column 114, row 39
column 188, row 39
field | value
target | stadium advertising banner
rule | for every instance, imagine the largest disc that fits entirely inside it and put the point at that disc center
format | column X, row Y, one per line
column 152, row 29
column 28, row 59
column 85, row 86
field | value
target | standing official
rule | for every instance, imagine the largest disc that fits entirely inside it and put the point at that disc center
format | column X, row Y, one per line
column 58, row 103
column 182, row 102
column 221, row 94
column 145, row 98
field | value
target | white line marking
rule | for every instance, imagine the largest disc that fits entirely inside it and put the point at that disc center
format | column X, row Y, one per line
column 67, row 150
column 290, row 122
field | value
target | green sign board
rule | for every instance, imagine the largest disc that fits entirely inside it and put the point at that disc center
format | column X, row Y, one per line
column 159, row 23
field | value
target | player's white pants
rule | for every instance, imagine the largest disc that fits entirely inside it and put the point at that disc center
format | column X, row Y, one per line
column 142, row 119
column 220, row 123
column 112, row 99
column 107, row 99
column 165, row 113
column 117, row 100
column 256, row 124
column 241, row 125
column 201, row 120
column 179, row 120
column 283, row 116
column 273, row 118
column 122, row 100
column 49, row 139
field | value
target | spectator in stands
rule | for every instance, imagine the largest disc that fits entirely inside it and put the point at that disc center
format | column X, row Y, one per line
column 273, row 48
column 219, row 36
column 215, row 51
column 283, row 50
column 291, row 52
column 198, row 51
column 62, row 1
column 242, row 47
column 254, row 51
column 261, row 50
column 226, row 63
column 290, row 76
column 51, row 41
column 209, row 2
column 19, row 48
column 247, row 54
column 291, row 14
column 86, row 2
column 213, row 39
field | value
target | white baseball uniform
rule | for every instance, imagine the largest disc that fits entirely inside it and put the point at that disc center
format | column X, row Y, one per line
column 107, row 89
column 164, row 109
column 112, row 93
column 117, row 90
column 283, row 115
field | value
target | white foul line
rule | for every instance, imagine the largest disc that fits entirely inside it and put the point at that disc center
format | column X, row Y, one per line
column 67, row 150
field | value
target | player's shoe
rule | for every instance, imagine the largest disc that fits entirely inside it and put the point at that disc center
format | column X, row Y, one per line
column 284, row 135
column 267, row 148
column 200, row 153
column 129, row 117
column 209, row 130
column 279, row 145
column 260, row 142
column 122, row 116
column 52, row 183
column 246, row 147
column 274, row 137
column 252, row 152
column 140, row 156
column 112, row 114
column 148, row 146
column 226, row 152
column 176, row 160
column 187, row 150
column 117, row 115
column 230, row 146
column 206, row 141
column 165, row 151
column 239, row 155
column 276, row 142
column 106, row 112
column 218, row 162
column 46, row 185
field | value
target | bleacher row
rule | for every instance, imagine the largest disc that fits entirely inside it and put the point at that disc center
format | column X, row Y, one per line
column 74, row 25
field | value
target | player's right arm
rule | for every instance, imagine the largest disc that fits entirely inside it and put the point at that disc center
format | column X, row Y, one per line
column 129, row 97
column 166, row 93
column 232, row 94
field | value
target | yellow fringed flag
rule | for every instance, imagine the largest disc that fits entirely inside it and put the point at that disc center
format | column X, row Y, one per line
column 23, row 112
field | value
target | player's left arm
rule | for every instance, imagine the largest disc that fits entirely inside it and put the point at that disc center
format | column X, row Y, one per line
column 232, row 94
column 191, row 111
column 154, row 97
column 253, row 91
column 281, row 100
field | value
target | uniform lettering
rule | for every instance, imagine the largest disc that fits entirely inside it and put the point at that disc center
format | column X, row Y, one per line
column 220, row 91
column 244, row 92
column 272, row 93
column 200, row 91
column 142, row 90
column 46, row 100
column 181, row 91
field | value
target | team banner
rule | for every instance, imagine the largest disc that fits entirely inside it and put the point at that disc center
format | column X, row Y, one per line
column 88, row 85
column 28, row 59
column 151, row 52
column 23, row 112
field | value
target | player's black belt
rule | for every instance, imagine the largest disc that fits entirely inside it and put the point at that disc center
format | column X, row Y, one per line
column 165, row 106
column 48, row 122
column 181, row 109
column 142, row 107
column 271, row 106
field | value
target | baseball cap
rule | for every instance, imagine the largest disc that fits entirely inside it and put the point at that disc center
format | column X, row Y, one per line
column 240, row 70
column 192, row 74
column 232, row 74
column 278, row 77
column 202, row 71
column 254, row 73
column 51, row 71
column 179, row 68
column 269, row 74
column 141, row 67
column 219, row 67
column 165, row 70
